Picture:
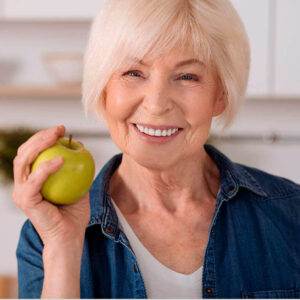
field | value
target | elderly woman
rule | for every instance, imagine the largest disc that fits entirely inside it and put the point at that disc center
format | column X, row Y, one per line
column 170, row 216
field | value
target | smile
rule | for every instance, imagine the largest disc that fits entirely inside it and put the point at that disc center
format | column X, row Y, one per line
column 156, row 132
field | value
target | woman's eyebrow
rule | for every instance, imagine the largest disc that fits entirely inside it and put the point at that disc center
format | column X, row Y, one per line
column 189, row 61
column 179, row 64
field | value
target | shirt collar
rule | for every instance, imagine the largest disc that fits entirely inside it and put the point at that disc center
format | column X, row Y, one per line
column 233, row 177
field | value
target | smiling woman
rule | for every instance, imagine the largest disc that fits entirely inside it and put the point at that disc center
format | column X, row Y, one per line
column 211, row 30
column 170, row 216
column 155, row 96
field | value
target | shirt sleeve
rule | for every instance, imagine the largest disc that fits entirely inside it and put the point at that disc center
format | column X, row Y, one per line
column 30, row 262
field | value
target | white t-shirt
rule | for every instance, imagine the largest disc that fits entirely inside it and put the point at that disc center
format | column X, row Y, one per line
column 160, row 281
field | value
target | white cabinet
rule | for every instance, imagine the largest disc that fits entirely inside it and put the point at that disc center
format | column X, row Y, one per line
column 287, row 49
column 50, row 9
column 272, row 27
column 2, row 8
column 255, row 15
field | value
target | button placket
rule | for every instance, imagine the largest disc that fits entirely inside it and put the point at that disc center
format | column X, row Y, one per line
column 209, row 276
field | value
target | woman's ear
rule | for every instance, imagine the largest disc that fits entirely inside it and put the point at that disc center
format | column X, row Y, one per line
column 221, row 98
column 101, row 103
column 220, row 103
column 104, row 99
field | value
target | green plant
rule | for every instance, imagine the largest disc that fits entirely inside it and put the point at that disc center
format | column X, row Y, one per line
column 10, row 141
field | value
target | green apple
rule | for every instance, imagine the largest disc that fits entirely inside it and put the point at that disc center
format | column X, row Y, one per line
column 74, row 178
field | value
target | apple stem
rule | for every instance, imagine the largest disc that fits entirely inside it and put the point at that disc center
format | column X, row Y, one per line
column 70, row 140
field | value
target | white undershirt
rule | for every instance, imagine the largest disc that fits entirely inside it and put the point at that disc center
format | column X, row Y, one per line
column 160, row 281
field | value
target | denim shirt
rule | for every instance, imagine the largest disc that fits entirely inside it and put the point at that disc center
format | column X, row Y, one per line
column 253, row 249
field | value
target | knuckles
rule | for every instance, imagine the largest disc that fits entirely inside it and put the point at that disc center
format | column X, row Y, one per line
column 16, row 198
column 20, row 149
column 16, row 161
column 32, row 180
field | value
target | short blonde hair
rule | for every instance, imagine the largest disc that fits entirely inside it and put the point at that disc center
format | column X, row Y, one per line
column 131, row 28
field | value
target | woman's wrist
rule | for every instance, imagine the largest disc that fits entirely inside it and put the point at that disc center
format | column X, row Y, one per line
column 62, row 264
column 62, row 250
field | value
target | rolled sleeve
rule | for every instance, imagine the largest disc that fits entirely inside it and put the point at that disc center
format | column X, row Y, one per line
column 30, row 262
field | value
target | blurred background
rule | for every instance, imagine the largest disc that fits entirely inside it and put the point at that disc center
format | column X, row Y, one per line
column 41, row 49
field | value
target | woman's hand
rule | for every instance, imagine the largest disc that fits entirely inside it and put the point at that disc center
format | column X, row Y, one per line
column 56, row 225
column 61, row 228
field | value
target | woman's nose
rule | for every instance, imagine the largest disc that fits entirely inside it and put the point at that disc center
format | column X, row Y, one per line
column 157, row 99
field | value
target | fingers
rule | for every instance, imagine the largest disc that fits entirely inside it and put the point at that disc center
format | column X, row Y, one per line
column 29, row 150
column 40, row 174
column 40, row 134
column 28, row 195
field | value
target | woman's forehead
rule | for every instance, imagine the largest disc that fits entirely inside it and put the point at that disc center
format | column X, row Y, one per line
column 177, row 57
column 176, row 62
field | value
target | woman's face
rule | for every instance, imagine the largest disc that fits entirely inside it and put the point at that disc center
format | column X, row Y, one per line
column 163, row 94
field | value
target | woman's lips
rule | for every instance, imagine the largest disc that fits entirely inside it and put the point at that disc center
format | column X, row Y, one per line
column 156, row 139
column 161, row 127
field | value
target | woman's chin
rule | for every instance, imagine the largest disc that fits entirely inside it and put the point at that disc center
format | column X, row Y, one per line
column 155, row 162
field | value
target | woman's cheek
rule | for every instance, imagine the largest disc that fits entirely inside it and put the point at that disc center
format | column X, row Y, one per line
column 120, row 105
column 197, row 109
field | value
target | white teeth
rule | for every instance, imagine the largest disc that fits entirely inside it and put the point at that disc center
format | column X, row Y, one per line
column 157, row 132
column 140, row 127
column 151, row 131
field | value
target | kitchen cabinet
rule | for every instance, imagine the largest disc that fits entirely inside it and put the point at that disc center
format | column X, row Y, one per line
column 287, row 48
column 2, row 8
column 271, row 26
column 49, row 9
column 255, row 15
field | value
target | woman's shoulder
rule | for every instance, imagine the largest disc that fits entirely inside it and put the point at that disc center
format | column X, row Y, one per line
column 100, row 189
column 273, row 185
column 107, row 170
column 261, row 182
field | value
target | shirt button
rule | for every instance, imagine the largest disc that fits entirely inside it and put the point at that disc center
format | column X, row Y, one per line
column 231, row 188
column 135, row 268
column 212, row 231
column 109, row 229
column 208, row 291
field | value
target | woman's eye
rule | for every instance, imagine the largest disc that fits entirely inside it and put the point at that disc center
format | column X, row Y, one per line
column 131, row 73
column 184, row 77
column 189, row 77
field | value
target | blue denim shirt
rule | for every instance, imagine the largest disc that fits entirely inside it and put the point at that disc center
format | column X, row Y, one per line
column 253, row 250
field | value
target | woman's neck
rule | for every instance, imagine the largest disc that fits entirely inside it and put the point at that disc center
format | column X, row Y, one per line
column 191, row 183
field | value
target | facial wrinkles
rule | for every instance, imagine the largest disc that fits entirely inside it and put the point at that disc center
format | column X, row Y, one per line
column 192, row 110
column 181, row 99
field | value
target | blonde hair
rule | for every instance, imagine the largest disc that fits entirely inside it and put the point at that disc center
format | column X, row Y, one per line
column 134, row 28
